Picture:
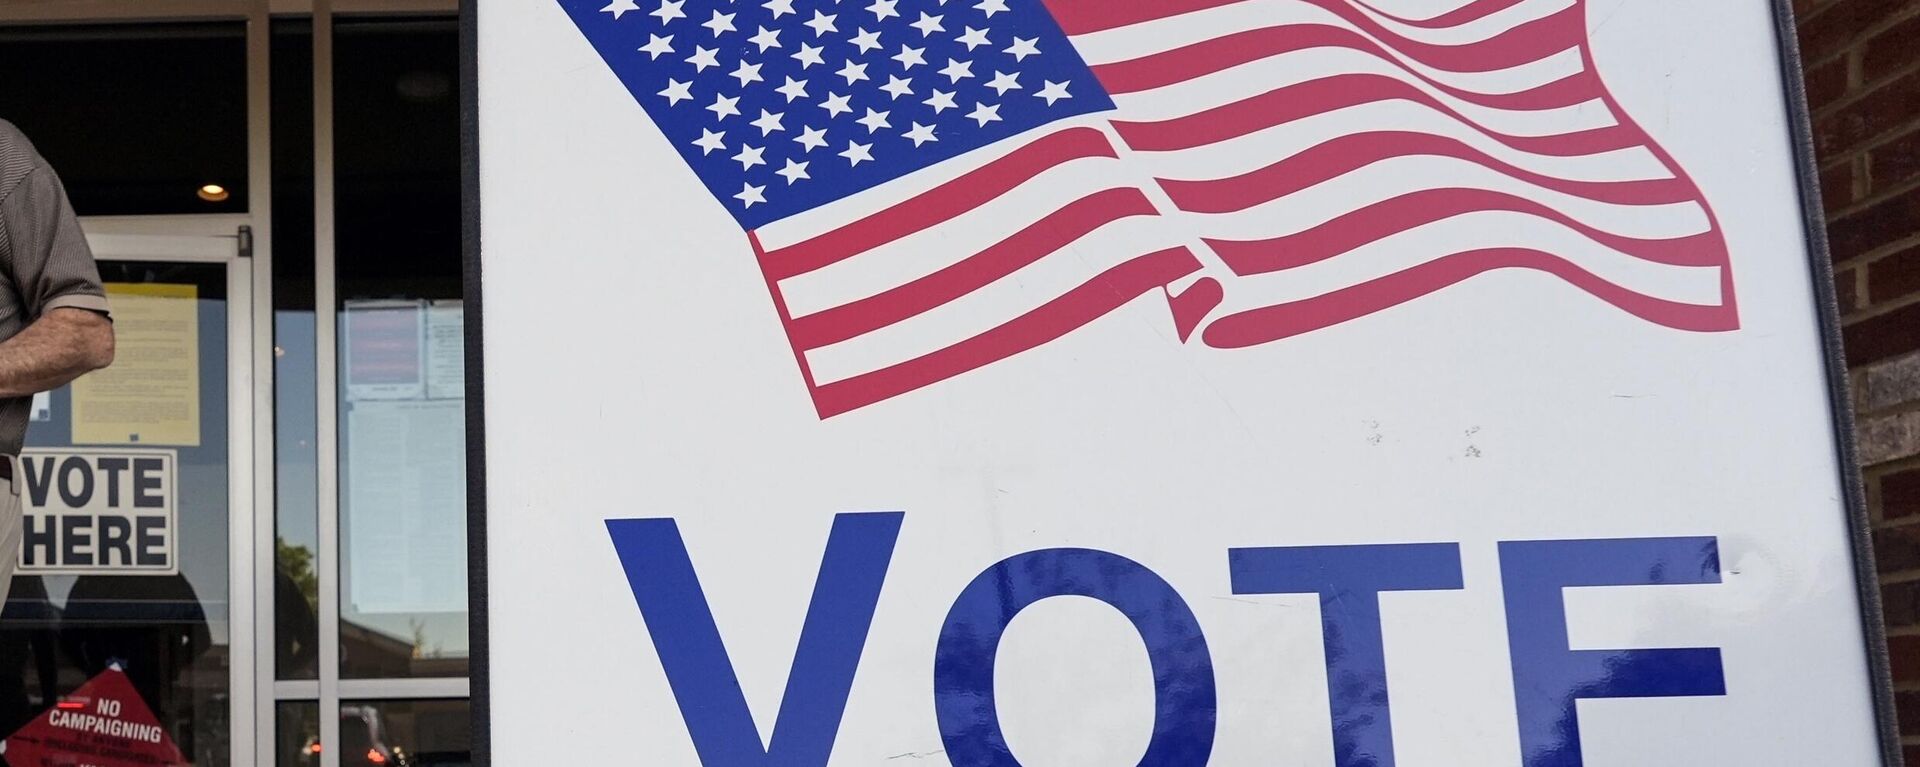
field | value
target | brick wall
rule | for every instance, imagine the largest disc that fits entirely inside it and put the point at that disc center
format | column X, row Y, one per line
column 1863, row 83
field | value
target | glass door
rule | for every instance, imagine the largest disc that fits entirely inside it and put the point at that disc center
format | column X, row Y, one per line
column 136, row 581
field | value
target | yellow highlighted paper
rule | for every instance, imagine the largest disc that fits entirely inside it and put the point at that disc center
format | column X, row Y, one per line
column 151, row 393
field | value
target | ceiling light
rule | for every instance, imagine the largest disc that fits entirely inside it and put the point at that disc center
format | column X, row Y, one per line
column 214, row 193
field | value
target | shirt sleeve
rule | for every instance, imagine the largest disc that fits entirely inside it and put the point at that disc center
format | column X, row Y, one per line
column 49, row 261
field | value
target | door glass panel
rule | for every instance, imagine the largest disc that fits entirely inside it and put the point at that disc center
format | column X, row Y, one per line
column 124, row 568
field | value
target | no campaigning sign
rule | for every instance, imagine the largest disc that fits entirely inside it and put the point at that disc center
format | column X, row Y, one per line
column 103, row 724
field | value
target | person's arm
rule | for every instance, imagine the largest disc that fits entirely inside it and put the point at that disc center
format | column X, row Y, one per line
column 53, row 274
column 63, row 345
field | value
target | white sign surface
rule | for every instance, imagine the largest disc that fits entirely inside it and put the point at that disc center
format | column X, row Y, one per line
column 999, row 382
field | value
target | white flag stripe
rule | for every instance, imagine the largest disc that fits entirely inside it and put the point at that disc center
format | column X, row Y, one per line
column 1139, row 40
column 1399, row 176
column 1237, row 83
column 925, row 252
column 1698, row 285
column 1484, row 28
column 991, row 306
column 839, row 213
column 1258, row 150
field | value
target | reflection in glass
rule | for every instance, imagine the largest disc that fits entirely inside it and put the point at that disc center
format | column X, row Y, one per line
column 399, row 733
column 130, row 137
column 297, row 734
column 402, row 444
column 296, row 586
column 69, row 619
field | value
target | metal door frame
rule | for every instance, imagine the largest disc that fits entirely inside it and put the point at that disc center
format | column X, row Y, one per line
column 187, row 242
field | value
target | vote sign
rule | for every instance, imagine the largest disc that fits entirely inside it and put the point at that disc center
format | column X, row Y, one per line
column 1023, row 382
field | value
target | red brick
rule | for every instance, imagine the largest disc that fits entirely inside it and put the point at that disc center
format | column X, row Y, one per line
column 1890, row 50
column 1906, row 658
column 1883, row 336
column 1894, row 276
column 1910, row 754
column 1901, row 604
column 1827, row 32
column 1900, row 495
column 1896, row 162
column 1846, row 290
column 1862, row 231
column 1874, row 113
column 1836, row 186
column 1896, row 549
column 1908, row 706
column 1826, row 83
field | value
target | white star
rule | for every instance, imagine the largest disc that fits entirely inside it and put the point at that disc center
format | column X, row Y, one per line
column 1053, row 92
column 957, row 70
column 750, row 194
column 941, row 101
column 928, row 24
column 836, row 104
column 898, row 86
column 703, row 58
column 858, row 153
column 867, row 40
column 619, row 8
column 920, row 134
column 853, row 72
column 749, row 156
column 1021, row 49
column 793, row 172
column 720, row 23
column 1003, row 82
column 779, row 7
column 822, row 23
column 881, row 9
column 991, row 7
column 910, row 57
column 657, row 45
column 747, row 73
column 710, row 141
column 768, row 122
column 670, row 10
column 874, row 121
column 722, row 107
column 794, row 89
column 809, row 55
column 677, row 91
column 984, row 114
column 811, row 139
column 766, row 38
column 973, row 38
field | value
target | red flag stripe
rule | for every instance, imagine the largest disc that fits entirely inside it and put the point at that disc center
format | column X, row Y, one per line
column 1080, row 17
column 1221, row 53
column 1466, row 14
column 1294, row 102
column 1051, row 233
column 1272, row 323
column 1093, row 299
column 1343, row 155
column 1383, row 219
column 938, row 205
column 1518, row 46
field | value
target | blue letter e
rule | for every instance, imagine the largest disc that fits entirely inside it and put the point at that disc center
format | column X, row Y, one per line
column 696, row 660
column 1549, row 678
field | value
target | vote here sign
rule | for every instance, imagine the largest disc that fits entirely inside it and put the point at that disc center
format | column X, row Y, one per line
column 98, row 512
column 1235, row 382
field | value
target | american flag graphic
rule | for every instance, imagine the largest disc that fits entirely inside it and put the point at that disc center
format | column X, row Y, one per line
column 931, row 186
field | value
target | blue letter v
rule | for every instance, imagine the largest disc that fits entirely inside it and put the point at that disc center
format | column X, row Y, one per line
column 696, row 660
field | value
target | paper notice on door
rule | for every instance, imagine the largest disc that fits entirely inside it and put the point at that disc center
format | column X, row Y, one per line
column 151, row 393
column 446, row 351
column 382, row 350
column 405, row 508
